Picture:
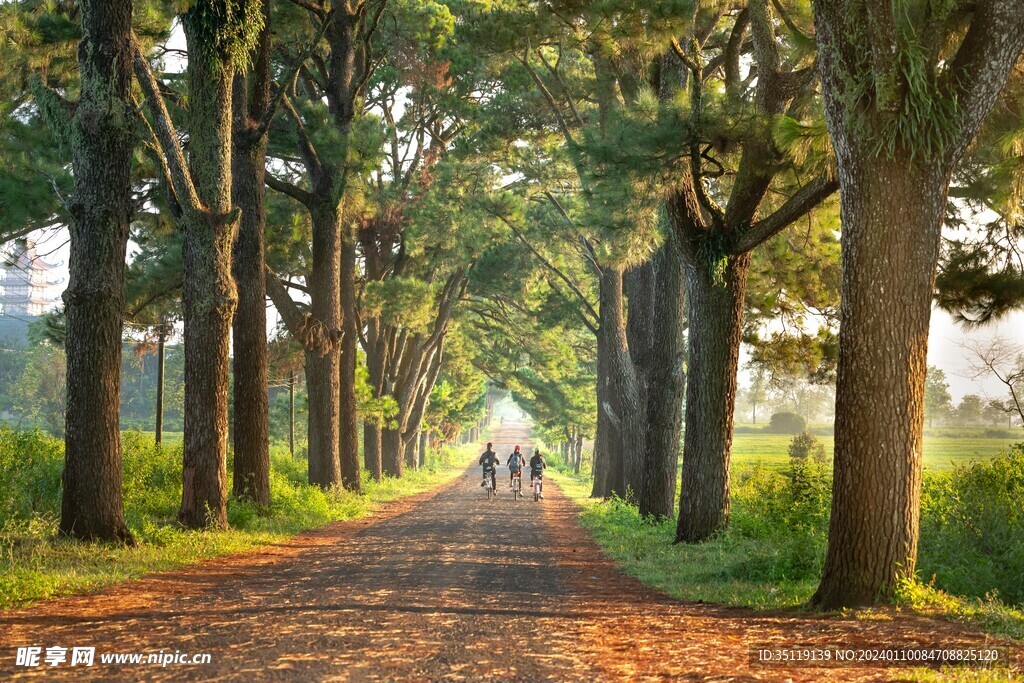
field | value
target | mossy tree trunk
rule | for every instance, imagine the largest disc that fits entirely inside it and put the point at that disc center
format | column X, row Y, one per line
column 894, row 171
column 209, row 294
column 101, row 211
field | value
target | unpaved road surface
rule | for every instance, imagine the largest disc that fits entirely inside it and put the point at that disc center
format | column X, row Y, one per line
column 444, row 586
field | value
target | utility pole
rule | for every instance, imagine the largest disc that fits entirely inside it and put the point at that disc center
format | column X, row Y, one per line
column 162, row 331
column 291, row 412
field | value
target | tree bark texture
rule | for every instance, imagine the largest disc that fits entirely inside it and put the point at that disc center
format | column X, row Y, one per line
column 209, row 294
column 394, row 453
column 614, row 366
column 101, row 212
column 251, row 475
column 639, row 285
column 323, row 362
column 372, row 454
column 715, row 329
column 666, row 381
column 607, row 439
column 424, row 445
column 348, row 427
column 412, row 450
column 892, row 226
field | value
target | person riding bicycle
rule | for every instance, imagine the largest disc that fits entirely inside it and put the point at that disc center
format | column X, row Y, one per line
column 516, row 461
column 537, row 467
column 489, row 460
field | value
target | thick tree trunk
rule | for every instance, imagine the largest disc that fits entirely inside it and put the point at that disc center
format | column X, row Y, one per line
column 372, row 456
column 374, row 350
column 101, row 211
column 627, row 387
column 209, row 294
column 393, row 453
column 323, row 364
column 251, row 477
column 641, row 289
column 892, row 219
column 656, row 494
column 423, row 448
column 715, row 329
column 348, row 432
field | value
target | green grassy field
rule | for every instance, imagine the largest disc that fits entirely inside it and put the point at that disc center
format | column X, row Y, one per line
column 940, row 452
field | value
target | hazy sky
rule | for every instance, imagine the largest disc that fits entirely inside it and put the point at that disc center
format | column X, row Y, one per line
column 944, row 351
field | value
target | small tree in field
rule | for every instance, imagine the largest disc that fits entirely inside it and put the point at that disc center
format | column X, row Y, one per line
column 937, row 401
column 806, row 446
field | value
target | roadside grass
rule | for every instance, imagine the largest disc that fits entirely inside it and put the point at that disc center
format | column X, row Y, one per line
column 36, row 563
column 971, row 549
column 728, row 569
column 961, row 674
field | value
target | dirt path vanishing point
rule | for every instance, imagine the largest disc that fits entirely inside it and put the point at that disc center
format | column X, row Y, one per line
column 443, row 586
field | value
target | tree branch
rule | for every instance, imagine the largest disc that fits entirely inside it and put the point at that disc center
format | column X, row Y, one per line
column 294, row 191
column 288, row 82
column 315, row 8
column 587, row 307
column 559, row 119
column 802, row 201
column 184, row 189
column 983, row 63
column 306, row 147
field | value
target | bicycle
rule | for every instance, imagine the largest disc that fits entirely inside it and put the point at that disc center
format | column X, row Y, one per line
column 517, row 486
column 489, row 484
column 538, row 483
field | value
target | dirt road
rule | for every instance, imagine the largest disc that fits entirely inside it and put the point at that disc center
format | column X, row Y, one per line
column 445, row 586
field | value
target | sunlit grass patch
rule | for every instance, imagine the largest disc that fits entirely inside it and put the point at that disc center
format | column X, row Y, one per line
column 771, row 556
column 988, row 614
column 729, row 569
column 36, row 563
column 954, row 674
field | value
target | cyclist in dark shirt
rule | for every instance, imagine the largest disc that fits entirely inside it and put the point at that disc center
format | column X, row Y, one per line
column 489, row 460
column 516, row 461
column 537, row 467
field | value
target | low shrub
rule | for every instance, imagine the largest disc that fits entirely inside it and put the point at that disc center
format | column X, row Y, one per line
column 786, row 423
column 972, row 528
